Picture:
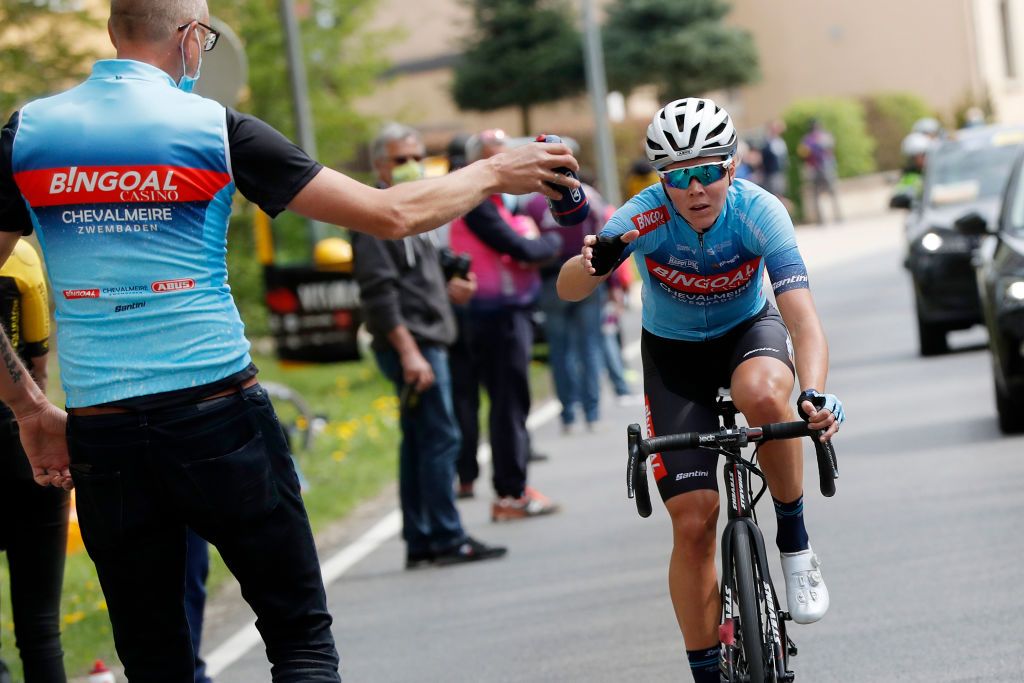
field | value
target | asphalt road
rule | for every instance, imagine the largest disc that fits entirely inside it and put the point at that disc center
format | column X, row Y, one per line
column 921, row 546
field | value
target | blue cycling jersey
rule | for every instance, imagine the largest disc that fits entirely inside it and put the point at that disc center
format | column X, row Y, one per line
column 699, row 286
column 128, row 182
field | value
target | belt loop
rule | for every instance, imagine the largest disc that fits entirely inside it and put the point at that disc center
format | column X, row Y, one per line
column 143, row 420
column 241, row 390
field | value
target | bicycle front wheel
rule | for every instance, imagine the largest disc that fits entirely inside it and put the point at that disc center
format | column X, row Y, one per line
column 744, row 582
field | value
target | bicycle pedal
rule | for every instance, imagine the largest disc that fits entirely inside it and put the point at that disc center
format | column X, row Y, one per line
column 787, row 677
column 786, row 616
column 791, row 648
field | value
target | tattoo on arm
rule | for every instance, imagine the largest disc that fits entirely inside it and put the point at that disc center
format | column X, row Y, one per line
column 10, row 359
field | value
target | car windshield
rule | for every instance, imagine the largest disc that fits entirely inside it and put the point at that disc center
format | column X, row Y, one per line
column 962, row 172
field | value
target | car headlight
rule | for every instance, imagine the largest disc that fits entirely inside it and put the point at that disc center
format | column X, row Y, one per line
column 931, row 241
column 1013, row 291
column 944, row 241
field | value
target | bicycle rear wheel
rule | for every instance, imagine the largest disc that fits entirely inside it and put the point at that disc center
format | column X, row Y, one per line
column 744, row 582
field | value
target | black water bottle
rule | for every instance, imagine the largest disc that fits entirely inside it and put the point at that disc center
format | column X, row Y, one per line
column 573, row 207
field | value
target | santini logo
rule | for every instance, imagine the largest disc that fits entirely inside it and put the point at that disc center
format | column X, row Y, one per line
column 687, row 475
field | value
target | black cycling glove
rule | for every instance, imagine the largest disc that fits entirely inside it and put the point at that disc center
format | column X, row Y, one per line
column 607, row 254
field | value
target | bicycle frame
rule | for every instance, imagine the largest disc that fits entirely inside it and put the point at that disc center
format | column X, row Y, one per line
column 742, row 521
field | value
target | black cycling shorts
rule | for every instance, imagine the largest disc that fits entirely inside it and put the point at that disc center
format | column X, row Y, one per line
column 681, row 383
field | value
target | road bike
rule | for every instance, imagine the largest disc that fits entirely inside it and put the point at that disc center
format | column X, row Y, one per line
column 755, row 645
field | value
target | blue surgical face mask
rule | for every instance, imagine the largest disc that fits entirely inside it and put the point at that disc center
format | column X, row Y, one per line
column 188, row 83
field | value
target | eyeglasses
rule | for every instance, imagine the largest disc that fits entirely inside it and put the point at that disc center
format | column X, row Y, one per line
column 399, row 160
column 705, row 174
column 211, row 35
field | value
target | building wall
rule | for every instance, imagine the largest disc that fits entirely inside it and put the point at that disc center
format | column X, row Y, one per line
column 812, row 48
column 946, row 51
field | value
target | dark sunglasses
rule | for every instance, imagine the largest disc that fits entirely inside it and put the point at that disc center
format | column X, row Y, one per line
column 404, row 159
column 211, row 35
column 705, row 174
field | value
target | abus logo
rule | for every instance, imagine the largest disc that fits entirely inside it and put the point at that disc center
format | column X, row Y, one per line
column 649, row 220
column 173, row 285
column 81, row 294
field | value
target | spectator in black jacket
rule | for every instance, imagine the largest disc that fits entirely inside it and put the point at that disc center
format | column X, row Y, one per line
column 405, row 303
column 506, row 253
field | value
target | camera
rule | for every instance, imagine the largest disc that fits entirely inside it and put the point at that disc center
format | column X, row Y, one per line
column 455, row 265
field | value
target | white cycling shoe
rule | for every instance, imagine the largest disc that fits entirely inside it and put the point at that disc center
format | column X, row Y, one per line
column 806, row 593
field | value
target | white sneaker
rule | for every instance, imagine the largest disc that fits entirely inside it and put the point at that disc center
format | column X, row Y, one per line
column 806, row 593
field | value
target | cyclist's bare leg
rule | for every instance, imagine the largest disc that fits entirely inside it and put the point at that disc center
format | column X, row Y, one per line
column 692, row 579
column 761, row 389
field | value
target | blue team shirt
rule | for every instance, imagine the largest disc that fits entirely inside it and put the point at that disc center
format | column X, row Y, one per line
column 698, row 287
column 128, row 183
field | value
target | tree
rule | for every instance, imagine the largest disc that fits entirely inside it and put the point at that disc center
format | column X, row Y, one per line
column 42, row 49
column 522, row 53
column 343, row 61
column 681, row 48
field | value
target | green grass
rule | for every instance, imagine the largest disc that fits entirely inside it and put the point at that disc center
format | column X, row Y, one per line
column 350, row 461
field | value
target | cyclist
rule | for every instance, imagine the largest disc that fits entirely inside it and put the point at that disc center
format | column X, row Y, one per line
column 702, row 239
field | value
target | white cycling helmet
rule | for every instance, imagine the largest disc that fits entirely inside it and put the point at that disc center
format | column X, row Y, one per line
column 689, row 128
column 915, row 143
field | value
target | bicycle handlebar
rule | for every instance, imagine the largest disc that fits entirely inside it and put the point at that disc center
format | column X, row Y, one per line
column 640, row 449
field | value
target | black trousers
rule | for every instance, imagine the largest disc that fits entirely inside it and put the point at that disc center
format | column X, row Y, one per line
column 34, row 532
column 465, row 397
column 222, row 468
column 501, row 343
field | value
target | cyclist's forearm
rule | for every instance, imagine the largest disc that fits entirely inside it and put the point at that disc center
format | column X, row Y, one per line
column 574, row 283
column 811, row 350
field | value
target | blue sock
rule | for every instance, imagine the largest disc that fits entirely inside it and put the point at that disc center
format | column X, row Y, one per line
column 792, row 536
column 704, row 664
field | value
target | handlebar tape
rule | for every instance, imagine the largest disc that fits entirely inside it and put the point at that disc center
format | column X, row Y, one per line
column 671, row 442
column 828, row 467
column 786, row 430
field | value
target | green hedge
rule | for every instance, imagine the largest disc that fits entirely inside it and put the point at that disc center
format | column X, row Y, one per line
column 890, row 116
column 845, row 119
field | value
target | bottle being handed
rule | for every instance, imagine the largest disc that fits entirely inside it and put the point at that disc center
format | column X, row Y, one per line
column 101, row 674
column 573, row 207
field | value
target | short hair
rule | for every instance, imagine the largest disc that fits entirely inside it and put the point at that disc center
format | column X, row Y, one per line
column 475, row 144
column 391, row 132
column 153, row 20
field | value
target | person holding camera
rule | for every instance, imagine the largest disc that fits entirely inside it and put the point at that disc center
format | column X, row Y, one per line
column 406, row 301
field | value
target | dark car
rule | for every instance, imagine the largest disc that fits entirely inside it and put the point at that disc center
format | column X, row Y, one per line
column 964, row 174
column 1000, row 278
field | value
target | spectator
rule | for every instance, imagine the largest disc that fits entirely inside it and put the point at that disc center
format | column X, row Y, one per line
column 817, row 149
column 775, row 159
column 500, row 333
column 405, row 304
column 572, row 329
column 168, row 427
column 33, row 520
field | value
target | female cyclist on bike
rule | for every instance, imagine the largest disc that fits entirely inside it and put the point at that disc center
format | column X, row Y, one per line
column 702, row 240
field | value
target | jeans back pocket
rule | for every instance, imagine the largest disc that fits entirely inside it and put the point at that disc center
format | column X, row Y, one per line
column 239, row 486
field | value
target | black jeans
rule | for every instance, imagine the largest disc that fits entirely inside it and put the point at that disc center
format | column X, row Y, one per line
column 34, row 532
column 222, row 468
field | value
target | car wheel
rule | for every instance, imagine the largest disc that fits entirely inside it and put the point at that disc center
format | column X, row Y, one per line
column 1010, row 407
column 932, row 338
